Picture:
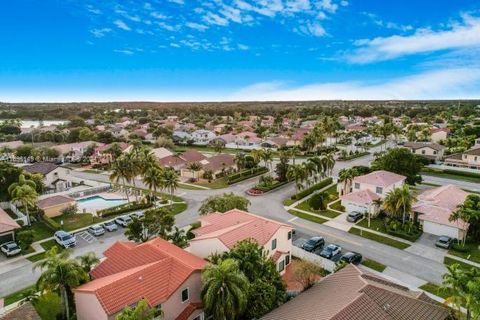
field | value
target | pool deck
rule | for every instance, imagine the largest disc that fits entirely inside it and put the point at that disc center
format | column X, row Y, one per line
column 106, row 196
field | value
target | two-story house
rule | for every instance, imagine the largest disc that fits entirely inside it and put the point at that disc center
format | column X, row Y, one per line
column 202, row 136
column 167, row 277
column 366, row 190
column 430, row 150
column 220, row 232
column 469, row 158
column 439, row 134
column 54, row 177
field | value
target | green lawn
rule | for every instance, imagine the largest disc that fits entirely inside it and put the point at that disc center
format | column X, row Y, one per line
column 332, row 194
column 288, row 202
column 451, row 176
column 379, row 238
column 189, row 186
column 434, row 289
column 378, row 225
column 46, row 246
column 307, row 216
column 377, row 266
column 465, row 266
column 76, row 221
column 179, row 207
column 338, row 206
column 17, row 296
column 472, row 252
column 215, row 184
column 40, row 231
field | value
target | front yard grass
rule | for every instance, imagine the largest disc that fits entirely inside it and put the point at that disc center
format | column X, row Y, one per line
column 435, row 290
column 465, row 266
column 379, row 238
column 377, row 266
column 332, row 196
column 76, row 221
column 47, row 245
column 288, row 202
column 472, row 252
column 189, row 186
column 17, row 296
column 215, row 184
column 40, row 231
column 307, row 216
column 379, row 226
column 178, row 208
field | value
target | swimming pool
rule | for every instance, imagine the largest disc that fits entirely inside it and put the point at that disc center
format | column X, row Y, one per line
column 94, row 203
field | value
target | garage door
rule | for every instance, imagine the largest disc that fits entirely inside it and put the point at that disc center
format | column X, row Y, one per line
column 350, row 207
column 439, row 229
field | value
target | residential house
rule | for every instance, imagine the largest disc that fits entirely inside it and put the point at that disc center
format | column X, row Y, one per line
column 469, row 158
column 167, row 277
column 225, row 139
column 74, row 151
column 430, row 150
column 181, row 137
column 355, row 127
column 54, row 177
column 7, row 227
column 179, row 161
column 363, row 193
column 245, row 140
column 439, row 134
column 217, row 164
column 101, row 155
column 220, row 232
column 53, row 206
column 353, row 293
column 202, row 137
column 434, row 208
column 119, row 131
column 24, row 311
column 161, row 153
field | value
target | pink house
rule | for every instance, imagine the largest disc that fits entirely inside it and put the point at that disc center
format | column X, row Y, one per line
column 166, row 276
column 220, row 232
column 362, row 194
column 435, row 206
column 101, row 154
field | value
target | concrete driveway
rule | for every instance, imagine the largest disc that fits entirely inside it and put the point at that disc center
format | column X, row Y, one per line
column 425, row 247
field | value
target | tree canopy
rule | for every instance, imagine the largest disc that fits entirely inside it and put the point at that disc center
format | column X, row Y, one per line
column 401, row 161
column 224, row 203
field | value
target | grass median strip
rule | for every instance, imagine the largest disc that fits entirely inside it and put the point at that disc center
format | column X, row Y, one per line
column 465, row 266
column 377, row 266
column 17, row 296
column 435, row 290
column 308, row 217
column 379, row 238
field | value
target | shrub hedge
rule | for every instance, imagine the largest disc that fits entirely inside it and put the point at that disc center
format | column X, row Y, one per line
column 245, row 174
column 123, row 208
column 276, row 185
column 322, row 184
column 54, row 225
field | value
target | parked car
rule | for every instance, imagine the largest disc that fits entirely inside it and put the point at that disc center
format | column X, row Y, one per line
column 330, row 251
column 138, row 215
column 354, row 216
column 65, row 239
column 313, row 244
column 10, row 248
column 96, row 230
column 123, row 220
column 352, row 257
column 444, row 242
column 110, row 226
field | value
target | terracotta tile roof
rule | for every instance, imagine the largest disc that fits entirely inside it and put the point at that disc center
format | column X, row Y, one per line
column 153, row 270
column 6, row 223
column 352, row 293
column 380, row 178
column 436, row 205
column 236, row 225
column 24, row 312
column 182, row 159
column 54, row 201
column 172, row 161
column 361, row 196
column 41, row 167
column 104, row 147
column 192, row 155
column 187, row 312
column 473, row 151
column 218, row 162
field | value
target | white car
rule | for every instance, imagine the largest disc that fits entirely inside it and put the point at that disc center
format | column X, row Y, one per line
column 10, row 248
column 123, row 220
column 139, row 215
column 330, row 251
column 65, row 239
column 96, row 230
column 110, row 226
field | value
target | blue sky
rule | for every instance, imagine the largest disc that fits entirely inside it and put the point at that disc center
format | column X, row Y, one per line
column 185, row 50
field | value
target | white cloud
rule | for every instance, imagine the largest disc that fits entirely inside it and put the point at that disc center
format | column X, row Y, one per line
column 213, row 18
column 242, row 47
column 196, row 26
column 312, row 28
column 457, row 36
column 439, row 84
column 177, row 1
column 121, row 25
column 158, row 15
column 100, row 33
column 329, row 5
column 124, row 51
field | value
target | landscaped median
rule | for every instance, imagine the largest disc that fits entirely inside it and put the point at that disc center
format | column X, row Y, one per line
column 377, row 266
column 452, row 174
column 379, row 238
column 463, row 265
column 306, row 216
column 471, row 251
column 378, row 225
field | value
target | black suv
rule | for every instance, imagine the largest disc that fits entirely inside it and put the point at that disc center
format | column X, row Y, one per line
column 313, row 244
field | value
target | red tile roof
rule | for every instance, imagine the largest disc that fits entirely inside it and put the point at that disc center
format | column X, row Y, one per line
column 6, row 223
column 153, row 270
column 218, row 162
column 361, row 196
column 187, row 312
column 380, row 178
column 236, row 225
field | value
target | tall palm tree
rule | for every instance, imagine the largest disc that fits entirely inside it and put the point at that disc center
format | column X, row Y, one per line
column 319, row 165
column 120, row 174
column 346, row 176
column 293, row 151
column 194, row 167
column 224, row 290
column 135, row 165
column 88, row 261
column 267, row 157
column 240, row 160
column 62, row 274
column 329, row 162
column 399, row 201
column 458, row 284
column 21, row 181
column 170, row 182
column 153, row 178
column 296, row 172
column 256, row 155
column 26, row 195
column 310, row 171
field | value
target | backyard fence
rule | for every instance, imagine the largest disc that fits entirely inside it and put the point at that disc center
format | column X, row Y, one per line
column 88, row 192
column 326, row 264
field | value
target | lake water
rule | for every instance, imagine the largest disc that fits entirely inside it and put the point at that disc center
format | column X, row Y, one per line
column 36, row 123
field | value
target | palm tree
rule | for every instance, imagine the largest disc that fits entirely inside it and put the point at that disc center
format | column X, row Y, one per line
column 21, row 181
column 267, row 157
column 346, row 176
column 194, row 167
column 153, row 178
column 179, row 237
column 399, row 201
column 310, row 170
column 170, row 182
column 224, row 290
column 319, row 165
column 135, row 166
column 60, row 273
column 120, row 173
column 140, row 312
column 240, row 160
column 297, row 173
column 256, row 155
column 293, row 151
column 87, row 261
column 458, row 284
column 330, row 163
column 26, row 195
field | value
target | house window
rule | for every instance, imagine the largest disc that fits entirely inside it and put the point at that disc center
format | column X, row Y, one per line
column 199, row 317
column 281, row 266
column 475, row 159
column 289, row 235
column 274, row 244
column 423, row 151
column 287, row 260
column 357, row 185
column 434, row 152
column 157, row 312
column 379, row 190
column 184, row 294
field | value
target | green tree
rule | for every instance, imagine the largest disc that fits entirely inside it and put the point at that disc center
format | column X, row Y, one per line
column 307, row 273
column 26, row 195
column 48, row 305
column 61, row 274
column 140, row 312
column 25, row 238
column 170, row 182
column 401, row 161
column 223, row 203
column 153, row 178
column 194, row 167
column 298, row 173
column 88, row 261
column 135, row 231
column 120, row 174
column 179, row 237
column 318, row 201
column 399, row 201
column 85, row 134
column 22, row 181
column 468, row 214
column 224, row 290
